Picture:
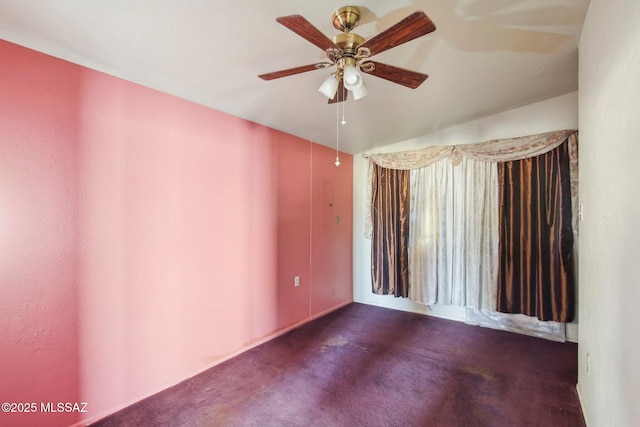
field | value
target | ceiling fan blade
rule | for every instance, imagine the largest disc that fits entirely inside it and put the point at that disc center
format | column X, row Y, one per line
column 341, row 94
column 296, row 70
column 413, row 26
column 307, row 31
column 410, row 79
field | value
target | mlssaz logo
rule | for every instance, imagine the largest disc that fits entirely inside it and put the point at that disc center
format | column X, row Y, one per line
column 63, row 407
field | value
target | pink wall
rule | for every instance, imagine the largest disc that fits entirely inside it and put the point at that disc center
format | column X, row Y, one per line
column 149, row 237
column 331, row 229
column 39, row 339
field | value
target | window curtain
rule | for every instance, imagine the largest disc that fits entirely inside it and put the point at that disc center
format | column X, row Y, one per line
column 536, row 275
column 390, row 220
column 453, row 235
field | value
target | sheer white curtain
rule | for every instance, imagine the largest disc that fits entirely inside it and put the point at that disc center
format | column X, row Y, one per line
column 453, row 253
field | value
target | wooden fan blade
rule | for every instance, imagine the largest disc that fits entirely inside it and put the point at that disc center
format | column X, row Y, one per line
column 341, row 94
column 413, row 26
column 401, row 76
column 307, row 31
column 296, row 70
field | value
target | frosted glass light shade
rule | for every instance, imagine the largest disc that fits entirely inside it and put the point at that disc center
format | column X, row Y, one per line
column 360, row 92
column 352, row 78
column 329, row 87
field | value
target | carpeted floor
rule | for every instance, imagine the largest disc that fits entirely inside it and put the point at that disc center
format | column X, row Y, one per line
column 370, row 366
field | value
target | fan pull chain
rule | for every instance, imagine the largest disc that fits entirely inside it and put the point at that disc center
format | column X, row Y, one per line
column 337, row 134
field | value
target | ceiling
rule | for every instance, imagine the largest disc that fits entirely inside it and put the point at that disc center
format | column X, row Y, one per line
column 486, row 56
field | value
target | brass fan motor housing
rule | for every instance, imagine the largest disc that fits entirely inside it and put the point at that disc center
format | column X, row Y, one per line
column 348, row 42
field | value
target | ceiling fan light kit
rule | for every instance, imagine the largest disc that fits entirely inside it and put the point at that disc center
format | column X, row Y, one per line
column 351, row 76
column 350, row 52
column 330, row 86
column 360, row 91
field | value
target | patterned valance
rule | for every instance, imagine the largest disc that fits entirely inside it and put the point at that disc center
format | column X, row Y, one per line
column 497, row 150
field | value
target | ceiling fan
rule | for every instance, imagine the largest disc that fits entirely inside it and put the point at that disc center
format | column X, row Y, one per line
column 350, row 52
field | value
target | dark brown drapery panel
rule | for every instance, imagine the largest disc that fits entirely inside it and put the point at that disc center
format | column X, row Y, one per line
column 536, row 275
column 390, row 220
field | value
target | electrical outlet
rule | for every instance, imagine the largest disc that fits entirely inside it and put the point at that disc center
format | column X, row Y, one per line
column 296, row 281
column 581, row 212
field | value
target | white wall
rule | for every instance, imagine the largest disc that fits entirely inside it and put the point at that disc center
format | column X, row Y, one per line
column 553, row 114
column 609, row 106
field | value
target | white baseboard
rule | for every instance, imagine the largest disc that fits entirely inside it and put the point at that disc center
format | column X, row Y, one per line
column 584, row 413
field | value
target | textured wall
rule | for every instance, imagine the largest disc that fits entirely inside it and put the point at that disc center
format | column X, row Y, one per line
column 609, row 373
column 331, row 230
column 39, row 334
column 148, row 237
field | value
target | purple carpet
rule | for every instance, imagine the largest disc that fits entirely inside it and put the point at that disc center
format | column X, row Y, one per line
column 370, row 366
